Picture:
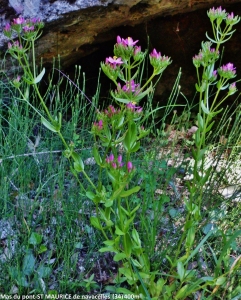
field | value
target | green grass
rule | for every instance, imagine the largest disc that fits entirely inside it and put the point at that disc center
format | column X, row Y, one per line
column 50, row 244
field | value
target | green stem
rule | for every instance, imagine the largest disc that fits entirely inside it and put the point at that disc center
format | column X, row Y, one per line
column 150, row 79
column 33, row 53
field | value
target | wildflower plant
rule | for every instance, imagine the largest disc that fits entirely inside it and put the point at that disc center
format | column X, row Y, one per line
column 211, row 80
column 125, row 66
column 117, row 133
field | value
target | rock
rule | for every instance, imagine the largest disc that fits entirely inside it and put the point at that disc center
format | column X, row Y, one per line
column 73, row 25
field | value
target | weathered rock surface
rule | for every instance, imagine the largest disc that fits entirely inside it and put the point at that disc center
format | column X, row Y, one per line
column 75, row 27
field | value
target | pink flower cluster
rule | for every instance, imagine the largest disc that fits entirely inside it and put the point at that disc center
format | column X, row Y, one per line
column 129, row 87
column 117, row 164
column 20, row 24
column 217, row 13
column 221, row 14
column 132, row 107
column 98, row 125
column 227, row 71
column 114, row 164
column 206, row 55
column 15, row 45
column 157, row 55
column 111, row 111
column 113, row 61
column 129, row 42
column 228, row 68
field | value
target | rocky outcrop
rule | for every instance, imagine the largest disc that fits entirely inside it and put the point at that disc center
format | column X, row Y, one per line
column 74, row 28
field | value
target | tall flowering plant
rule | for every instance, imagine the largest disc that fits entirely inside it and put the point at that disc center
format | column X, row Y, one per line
column 125, row 65
column 209, row 76
column 117, row 133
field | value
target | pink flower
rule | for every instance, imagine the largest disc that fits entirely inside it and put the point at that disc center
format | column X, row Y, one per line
column 111, row 157
column 7, row 27
column 228, row 68
column 131, row 87
column 126, row 42
column 137, row 50
column 217, row 13
column 119, row 40
column 99, row 125
column 131, row 106
column 28, row 28
column 231, row 16
column 35, row 20
column 114, row 60
column 155, row 54
column 232, row 88
column 119, row 159
column 129, row 166
column 129, row 42
column 227, row 71
column 18, row 21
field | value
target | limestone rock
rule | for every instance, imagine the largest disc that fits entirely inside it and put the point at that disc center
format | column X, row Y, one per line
column 74, row 27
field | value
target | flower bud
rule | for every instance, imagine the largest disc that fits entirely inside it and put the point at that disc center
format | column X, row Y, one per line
column 227, row 71
column 129, row 166
column 232, row 89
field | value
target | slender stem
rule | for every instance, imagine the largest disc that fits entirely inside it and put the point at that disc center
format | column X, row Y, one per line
column 149, row 80
column 33, row 53
column 87, row 177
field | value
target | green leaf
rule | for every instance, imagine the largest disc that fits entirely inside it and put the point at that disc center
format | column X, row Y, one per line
column 134, row 210
column 109, row 243
column 28, row 263
column 108, row 249
column 111, row 176
column 136, row 263
column 125, row 211
column 127, row 245
column 182, row 292
column 35, row 239
column 200, row 121
column 97, row 156
column 119, row 256
column 39, row 77
column 130, row 137
column 44, row 271
column 140, row 276
column 124, row 291
column 136, row 238
column 201, row 153
column 130, row 192
column 26, row 93
column 209, row 127
column 22, row 281
column 90, row 195
column 221, row 280
column 197, row 87
column 42, row 249
column 190, row 237
column 204, row 108
column 122, row 100
column 208, row 227
column 173, row 212
column 48, row 125
column 118, row 231
column 94, row 221
column 135, row 147
column 180, row 270
column 78, row 162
